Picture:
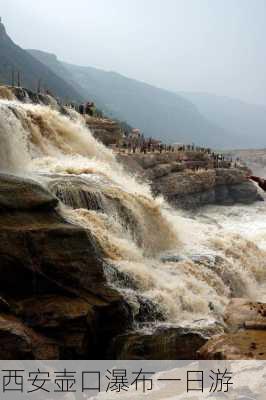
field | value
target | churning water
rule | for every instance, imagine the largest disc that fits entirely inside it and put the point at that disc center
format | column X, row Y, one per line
column 180, row 267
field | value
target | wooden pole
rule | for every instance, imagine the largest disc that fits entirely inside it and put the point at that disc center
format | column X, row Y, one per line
column 19, row 81
column 13, row 77
column 39, row 86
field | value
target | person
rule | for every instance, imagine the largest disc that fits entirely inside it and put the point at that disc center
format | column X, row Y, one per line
column 90, row 108
column 81, row 109
column 149, row 145
column 260, row 181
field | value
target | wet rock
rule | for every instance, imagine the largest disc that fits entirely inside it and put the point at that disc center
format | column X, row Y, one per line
column 119, row 278
column 180, row 184
column 245, row 192
column 18, row 193
column 195, row 189
column 53, row 278
column 170, row 258
column 77, row 192
column 53, row 312
column 163, row 343
column 105, row 130
column 20, row 342
column 194, row 200
column 26, row 95
column 240, row 311
column 222, row 195
column 41, row 251
column 194, row 183
column 205, row 259
column 246, row 337
column 148, row 311
column 254, row 324
column 4, row 305
column 70, row 321
column 242, row 345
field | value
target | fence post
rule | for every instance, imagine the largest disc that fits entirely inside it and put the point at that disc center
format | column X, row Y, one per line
column 13, row 77
column 39, row 86
column 19, row 80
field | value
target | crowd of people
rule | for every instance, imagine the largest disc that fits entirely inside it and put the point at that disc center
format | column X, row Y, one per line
column 135, row 142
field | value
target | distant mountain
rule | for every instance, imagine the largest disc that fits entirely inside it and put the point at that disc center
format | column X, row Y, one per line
column 244, row 122
column 204, row 119
column 12, row 57
column 157, row 112
column 58, row 68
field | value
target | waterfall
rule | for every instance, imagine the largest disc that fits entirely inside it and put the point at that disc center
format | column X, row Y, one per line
column 148, row 248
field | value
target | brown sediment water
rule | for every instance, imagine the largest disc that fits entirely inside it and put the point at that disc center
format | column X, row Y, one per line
column 6, row 93
column 137, row 234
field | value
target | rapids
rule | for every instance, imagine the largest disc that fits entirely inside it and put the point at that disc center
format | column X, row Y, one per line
column 185, row 267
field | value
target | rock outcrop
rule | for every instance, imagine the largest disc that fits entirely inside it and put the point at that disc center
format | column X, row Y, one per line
column 55, row 300
column 105, row 130
column 163, row 343
column 191, row 188
column 246, row 333
column 28, row 96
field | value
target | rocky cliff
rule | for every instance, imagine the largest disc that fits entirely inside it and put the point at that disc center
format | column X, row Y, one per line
column 105, row 130
column 16, row 60
column 193, row 183
column 82, row 289
column 54, row 298
column 245, row 336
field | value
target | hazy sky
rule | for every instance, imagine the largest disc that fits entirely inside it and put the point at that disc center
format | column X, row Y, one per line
column 215, row 46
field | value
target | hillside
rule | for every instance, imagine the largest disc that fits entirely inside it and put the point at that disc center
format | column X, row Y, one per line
column 58, row 68
column 157, row 112
column 244, row 122
column 15, row 58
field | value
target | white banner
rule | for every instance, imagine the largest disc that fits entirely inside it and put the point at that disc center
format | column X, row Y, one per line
column 113, row 379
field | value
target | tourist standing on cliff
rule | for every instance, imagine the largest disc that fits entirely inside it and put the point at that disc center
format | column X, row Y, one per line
column 81, row 109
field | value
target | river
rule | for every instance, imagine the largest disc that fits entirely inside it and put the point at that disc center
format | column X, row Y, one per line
column 183, row 266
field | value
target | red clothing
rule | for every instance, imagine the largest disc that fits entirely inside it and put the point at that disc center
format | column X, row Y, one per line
column 261, row 182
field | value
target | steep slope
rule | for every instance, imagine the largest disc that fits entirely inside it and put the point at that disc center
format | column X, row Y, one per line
column 246, row 123
column 52, row 62
column 15, row 58
column 155, row 111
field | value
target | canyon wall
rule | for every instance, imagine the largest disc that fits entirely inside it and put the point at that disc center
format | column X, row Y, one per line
column 190, row 188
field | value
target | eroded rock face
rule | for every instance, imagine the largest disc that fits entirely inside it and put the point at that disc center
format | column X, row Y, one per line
column 21, row 342
column 24, row 194
column 241, row 312
column 52, row 280
column 243, row 345
column 194, row 187
column 163, row 343
column 246, row 336
column 28, row 96
column 105, row 130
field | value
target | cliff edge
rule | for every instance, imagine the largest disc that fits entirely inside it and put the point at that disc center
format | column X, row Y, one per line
column 191, row 184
